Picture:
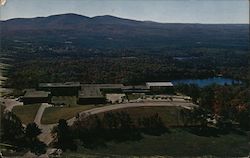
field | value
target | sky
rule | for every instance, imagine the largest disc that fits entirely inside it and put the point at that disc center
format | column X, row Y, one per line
column 166, row 11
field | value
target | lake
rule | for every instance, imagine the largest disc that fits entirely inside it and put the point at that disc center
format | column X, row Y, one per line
column 207, row 82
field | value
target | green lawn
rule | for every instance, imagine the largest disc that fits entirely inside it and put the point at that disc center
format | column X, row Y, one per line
column 170, row 115
column 54, row 114
column 68, row 100
column 178, row 143
column 133, row 96
column 26, row 113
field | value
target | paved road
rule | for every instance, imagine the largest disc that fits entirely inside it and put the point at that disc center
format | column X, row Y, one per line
column 45, row 136
column 129, row 105
column 10, row 103
column 39, row 113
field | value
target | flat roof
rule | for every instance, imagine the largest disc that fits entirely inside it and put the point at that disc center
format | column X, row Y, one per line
column 136, row 90
column 90, row 92
column 66, row 84
column 159, row 84
column 141, row 87
column 36, row 94
column 103, row 85
column 29, row 90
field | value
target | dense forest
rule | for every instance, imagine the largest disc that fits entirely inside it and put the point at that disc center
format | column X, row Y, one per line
column 129, row 66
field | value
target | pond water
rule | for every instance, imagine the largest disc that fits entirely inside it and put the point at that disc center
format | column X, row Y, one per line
column 185, row 58
column 207, row 82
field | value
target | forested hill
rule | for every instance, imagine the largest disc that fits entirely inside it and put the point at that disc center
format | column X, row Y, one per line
column 113, row 32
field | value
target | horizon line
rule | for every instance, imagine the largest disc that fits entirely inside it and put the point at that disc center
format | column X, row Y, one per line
column 124, row 19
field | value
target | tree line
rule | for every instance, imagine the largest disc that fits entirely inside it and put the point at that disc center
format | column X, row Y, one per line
column 95, row 131
column 228, row 104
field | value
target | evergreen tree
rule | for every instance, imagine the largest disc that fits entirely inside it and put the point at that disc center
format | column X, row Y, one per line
column 32, row 142
column 64, row 136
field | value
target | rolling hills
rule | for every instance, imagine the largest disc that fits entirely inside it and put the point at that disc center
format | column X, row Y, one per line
column 113, row 32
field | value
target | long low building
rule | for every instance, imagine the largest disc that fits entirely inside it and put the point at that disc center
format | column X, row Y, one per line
column 33, row 97
column 91, row 95
column 160, row 87
column 106, row 88
column 136, row 89
column 61, row 89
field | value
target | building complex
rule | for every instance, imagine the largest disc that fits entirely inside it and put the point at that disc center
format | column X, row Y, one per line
column 91, row 93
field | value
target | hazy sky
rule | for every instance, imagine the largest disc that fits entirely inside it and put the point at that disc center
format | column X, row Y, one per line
column 181, row 11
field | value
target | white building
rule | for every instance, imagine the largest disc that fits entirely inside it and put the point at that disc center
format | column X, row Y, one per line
column 160, row 87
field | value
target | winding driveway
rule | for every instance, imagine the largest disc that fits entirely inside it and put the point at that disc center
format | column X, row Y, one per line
column 39, row 113
column 46, row 137
column 129, row 105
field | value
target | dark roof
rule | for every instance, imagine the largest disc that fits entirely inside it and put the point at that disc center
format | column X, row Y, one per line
column 36, row 94
column 66, row 84
column 90, row 92
column 135, row 90
column 103, row 85
column 29, row 90
column 136, row 87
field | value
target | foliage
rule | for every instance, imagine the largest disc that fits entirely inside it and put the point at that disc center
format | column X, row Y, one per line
column 243, row 116
column 32, row 142
column 22, row 138
column 227, row 105
column 191, row 90
column 152, row 125
column 32, row 131
column 64, row 137
column 94, row 131
column 12, row 129
column 129, row 66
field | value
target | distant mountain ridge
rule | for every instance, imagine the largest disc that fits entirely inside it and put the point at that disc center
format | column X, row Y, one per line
column 62, row 21
column 113, row 31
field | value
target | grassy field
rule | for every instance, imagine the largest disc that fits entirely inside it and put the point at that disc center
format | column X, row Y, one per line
column 178, row 143
column 68, row 100
column 133, row 96
column 26, row 113
column 54, row 114
column 170, row 115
